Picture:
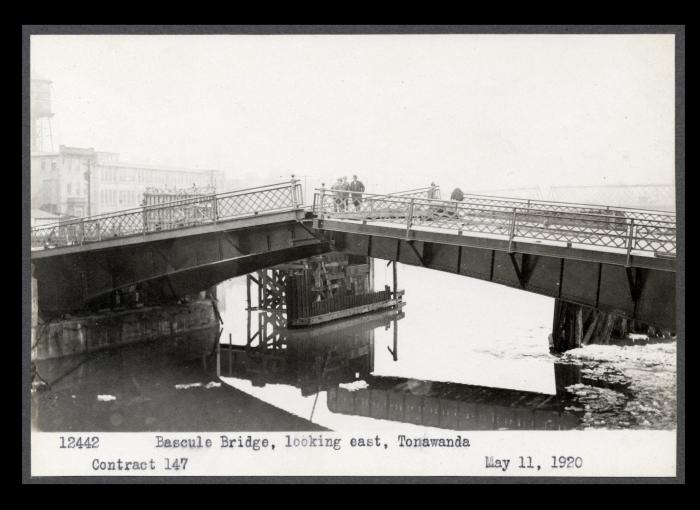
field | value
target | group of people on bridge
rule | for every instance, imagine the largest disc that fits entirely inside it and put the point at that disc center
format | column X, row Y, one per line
column 347, row 193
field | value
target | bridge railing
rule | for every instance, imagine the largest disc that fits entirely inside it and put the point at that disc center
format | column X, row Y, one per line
column 170, row 216
column 549, row 205
column 429, row 192
column 619, row 229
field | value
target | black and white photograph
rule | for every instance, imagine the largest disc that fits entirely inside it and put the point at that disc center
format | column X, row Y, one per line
column 317, row 251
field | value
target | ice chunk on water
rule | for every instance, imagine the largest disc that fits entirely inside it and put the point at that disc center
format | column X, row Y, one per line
column 212, row 384
column 637, row 336
column 187, row 386
column 354, row 386
column 106, row 398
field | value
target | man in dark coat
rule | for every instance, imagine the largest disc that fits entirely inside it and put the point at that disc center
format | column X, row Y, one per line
column 357, row 189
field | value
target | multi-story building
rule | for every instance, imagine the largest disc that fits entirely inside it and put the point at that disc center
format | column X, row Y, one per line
column 62, row 181
column 80, row 182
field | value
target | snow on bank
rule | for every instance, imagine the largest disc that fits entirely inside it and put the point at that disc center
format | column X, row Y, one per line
column 647, row 355
column 208, row 386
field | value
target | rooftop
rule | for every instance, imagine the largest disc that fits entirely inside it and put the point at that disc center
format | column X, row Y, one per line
column 44, row 215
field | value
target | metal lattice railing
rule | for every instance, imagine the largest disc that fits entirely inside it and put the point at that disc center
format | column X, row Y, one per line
column 430, row 192
column 547, row 205
column 608, row 227
column 170, row 216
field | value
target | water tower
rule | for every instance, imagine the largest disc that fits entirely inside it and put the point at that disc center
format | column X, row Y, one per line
column 40, row 114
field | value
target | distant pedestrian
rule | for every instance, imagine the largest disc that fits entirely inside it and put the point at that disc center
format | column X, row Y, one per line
column 357, row 188
column 432, row 192
column 457, row 194
column 338, row 195
column 345, row 186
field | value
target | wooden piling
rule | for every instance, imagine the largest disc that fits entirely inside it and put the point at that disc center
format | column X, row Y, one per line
column 592, row 327
column 607, row 331
column 579, row 327
column 247, row 291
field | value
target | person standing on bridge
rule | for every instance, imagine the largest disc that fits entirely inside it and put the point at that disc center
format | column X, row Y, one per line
column 345, row 186
column 338, row 195
column 432, row 192
column 357, row 188
column 457, row 194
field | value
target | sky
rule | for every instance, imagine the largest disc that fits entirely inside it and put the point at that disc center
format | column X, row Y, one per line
column 476, row 111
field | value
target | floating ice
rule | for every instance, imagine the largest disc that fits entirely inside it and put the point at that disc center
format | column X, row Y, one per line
column 637, row 336
column 212, row 384
column 354, row 386
column 187, row 386
column 106, row 398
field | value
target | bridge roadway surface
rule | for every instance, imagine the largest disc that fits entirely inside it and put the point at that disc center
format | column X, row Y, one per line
column 616, row 260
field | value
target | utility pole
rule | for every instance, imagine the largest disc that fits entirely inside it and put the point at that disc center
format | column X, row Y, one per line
column 87, row 176
column 89, row 209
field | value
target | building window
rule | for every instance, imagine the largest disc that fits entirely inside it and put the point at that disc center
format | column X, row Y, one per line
column 68, row 188
column 43, row 165
column 53, row 166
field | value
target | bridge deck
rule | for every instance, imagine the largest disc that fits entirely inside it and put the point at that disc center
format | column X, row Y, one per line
column 615, row 230
column 501, row 242
column 618, row 260
column 183, row 217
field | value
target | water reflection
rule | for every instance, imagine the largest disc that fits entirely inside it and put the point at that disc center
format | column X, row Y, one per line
column 168, row 384
column 335, row 363
column 462, row 367
column 312, row 359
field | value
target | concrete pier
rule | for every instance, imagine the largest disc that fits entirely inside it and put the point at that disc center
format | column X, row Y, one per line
column 79, row 335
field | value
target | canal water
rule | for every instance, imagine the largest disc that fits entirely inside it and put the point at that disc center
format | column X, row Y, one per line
column 461, row 355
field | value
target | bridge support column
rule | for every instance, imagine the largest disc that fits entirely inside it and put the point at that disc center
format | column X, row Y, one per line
column 565, row 331
column 577, row 326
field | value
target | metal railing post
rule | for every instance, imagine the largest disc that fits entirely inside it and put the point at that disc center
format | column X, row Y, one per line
column 630, row 241
column 82, row 231
column 512, row 230
column 409, row 219
column 321, row 201
column 293, row 189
